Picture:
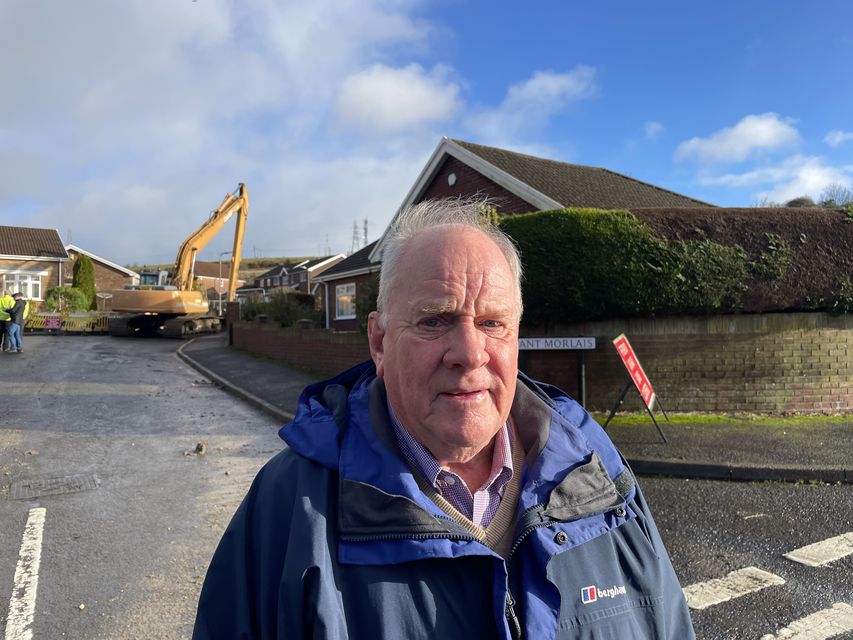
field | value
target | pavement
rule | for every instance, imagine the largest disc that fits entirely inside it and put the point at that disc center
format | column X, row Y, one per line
column 735, row 448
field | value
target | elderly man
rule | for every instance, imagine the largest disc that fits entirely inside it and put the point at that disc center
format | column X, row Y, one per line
column 436, row 492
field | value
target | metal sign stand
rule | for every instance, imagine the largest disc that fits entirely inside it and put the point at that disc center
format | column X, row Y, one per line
column 638, row 379
column 574, row 343
column 649, row 411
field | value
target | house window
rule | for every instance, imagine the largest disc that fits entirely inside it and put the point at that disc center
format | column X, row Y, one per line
column 29, row 284
column 345, row 301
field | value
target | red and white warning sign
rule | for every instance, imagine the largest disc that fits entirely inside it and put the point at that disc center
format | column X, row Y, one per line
column 641, row 380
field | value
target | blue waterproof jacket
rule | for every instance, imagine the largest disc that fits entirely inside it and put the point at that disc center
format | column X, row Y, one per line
column 336, row 540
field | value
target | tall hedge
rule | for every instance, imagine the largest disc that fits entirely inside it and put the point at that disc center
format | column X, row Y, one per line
column 586, row 264
column 84, row 279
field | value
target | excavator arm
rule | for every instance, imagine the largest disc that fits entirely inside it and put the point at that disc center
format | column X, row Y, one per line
column 237, row 202
column 176, row 310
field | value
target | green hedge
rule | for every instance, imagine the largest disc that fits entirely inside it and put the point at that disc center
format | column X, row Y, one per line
column 586, row 264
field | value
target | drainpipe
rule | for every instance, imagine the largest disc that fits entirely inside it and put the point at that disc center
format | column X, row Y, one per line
column 326, row 301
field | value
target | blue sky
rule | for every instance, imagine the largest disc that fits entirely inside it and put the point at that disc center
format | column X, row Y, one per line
column 122, row 124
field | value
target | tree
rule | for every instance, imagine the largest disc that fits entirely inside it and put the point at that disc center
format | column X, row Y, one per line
column 801, row 201
column 836, row 195
column 84, row 279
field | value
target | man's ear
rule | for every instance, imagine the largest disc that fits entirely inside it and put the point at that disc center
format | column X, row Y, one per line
column 375, row 335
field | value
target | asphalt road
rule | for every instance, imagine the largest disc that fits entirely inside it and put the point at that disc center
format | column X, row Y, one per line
column 713, row 528
column 124, row 559
column 124, row 556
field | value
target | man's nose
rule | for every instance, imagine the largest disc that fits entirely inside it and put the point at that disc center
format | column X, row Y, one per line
column 466, row 347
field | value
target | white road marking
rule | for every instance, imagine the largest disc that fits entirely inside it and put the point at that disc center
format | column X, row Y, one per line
column 22, row 605
column 738, row 583
column 821, row 553
column 818, row 626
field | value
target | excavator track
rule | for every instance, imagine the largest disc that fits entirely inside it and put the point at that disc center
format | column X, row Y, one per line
column 179, row 327
column 188, row 326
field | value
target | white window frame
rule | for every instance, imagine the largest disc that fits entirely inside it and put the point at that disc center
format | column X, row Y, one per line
column 23, row 280
column 341, row 291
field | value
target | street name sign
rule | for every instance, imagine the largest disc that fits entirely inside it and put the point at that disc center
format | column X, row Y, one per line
column 573, row 343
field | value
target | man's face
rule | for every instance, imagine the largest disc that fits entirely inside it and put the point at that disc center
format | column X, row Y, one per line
column 449, row 349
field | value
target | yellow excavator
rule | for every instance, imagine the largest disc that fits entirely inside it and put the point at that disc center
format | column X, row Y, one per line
column 178, row 310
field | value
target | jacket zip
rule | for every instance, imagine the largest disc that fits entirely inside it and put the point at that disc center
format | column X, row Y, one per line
column 512, row 618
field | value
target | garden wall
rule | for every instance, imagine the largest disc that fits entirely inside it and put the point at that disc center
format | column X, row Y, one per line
column 774, row 363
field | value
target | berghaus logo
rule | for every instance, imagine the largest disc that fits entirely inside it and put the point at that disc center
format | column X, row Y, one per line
column 592, row 593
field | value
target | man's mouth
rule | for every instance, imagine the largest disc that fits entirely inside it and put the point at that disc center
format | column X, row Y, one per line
column 465, row 394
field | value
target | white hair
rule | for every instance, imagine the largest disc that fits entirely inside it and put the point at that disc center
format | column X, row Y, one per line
column 439, row 213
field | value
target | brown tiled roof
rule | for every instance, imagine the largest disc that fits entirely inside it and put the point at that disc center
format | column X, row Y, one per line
column 358, row 260
column 574, row 185
column 31, row 243
column 212, row 269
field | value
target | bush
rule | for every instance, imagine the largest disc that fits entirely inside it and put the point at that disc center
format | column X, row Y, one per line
column 69, row 299
column 587, row 264
column 84, row 279
column 368, row 292
column 284, row 307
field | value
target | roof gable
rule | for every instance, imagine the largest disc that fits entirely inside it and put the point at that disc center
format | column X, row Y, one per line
column 277, row 271
column 112, row 265
column 358, row 261
column 545, row 184
column 28, row 242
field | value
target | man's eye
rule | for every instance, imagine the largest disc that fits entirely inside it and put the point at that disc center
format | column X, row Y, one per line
column 492, row 324
column 430, row 323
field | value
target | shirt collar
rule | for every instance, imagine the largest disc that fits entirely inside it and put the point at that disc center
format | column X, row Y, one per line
column 422, row 459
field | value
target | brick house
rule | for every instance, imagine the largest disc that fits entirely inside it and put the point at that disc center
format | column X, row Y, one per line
column 303, row 276
column 277, row 276
column 213, row 279
column 513, row 183
column 31, row 261
column 341, row 285
column 108, row 275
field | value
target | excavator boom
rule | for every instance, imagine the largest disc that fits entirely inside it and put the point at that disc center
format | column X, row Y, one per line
column 177, row 310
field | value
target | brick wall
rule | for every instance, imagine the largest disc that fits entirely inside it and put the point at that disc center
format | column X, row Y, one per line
column 471, row 183
column 773, row 363
column 324, row 352
column 49, row 280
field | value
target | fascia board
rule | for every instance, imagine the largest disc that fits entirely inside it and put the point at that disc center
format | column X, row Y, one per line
column 313, row 268
column 33, row 258
column 347, row 274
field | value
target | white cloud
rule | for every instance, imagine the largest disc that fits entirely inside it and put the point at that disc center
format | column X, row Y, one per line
column 531, row 103
column 796, row 176
column 653, row 130
column 753, row 134
column 181, row 101
column 837, row 137
column 384, row 100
